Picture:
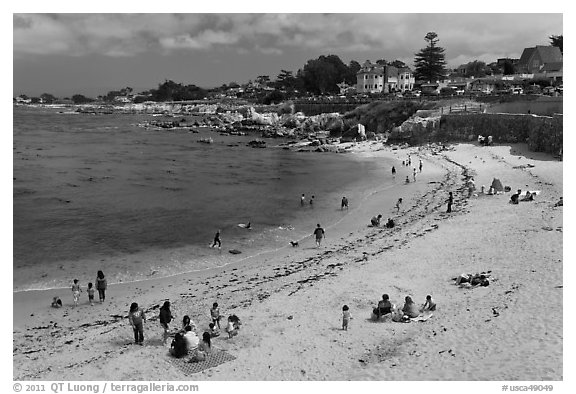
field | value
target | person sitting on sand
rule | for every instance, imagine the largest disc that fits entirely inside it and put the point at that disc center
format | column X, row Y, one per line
column 515, row 197
column 409, row 308
column 203, row 350
column 390, row 223
column 179, row 347
column 560, row 203
column 491, row 191
column 187, row 322
column 528, row 196
column 384, row 307
column 56, row 302
column 214, row 331
column 429, row 305
column 191, row 338
column 376, row 220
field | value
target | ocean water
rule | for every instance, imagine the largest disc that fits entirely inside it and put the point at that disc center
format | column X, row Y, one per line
column 97, row 192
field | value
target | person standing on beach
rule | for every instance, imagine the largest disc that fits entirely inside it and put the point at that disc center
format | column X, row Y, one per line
column 312, row 201
column 414, row 174
column 344, row 203
column 398, row 204
column 302, row 200
column 420, row 166
column 101, row 285
column 393, row 171
column 407, row 179
column 90, row 292
column 319, row 233
column 165, row 319
column 136, row 317
column 217, row 239
column 76, row 290
column 450, row 201
column 346, row 316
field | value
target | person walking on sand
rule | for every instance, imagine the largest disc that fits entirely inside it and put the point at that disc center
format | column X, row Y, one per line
column 76, row 290
column 165, row 319
column 90, row 292
column 450, row 201
column 346, row 317
column 344, row 203
column 302, row 200
column 420, row 166
column 101, row 285
column 414, row 174
column 393, row 171
column 136, row 317
column 398, row 204
column 217, row 239
column 319, row 233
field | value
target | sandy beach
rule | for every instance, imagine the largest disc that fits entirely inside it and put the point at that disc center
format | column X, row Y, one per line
column 290, row 300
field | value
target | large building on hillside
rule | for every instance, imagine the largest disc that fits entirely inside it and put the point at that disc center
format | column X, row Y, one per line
column 377, row 78
column 533, row 60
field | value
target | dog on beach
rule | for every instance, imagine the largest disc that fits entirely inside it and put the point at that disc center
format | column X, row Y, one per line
column 294, row 243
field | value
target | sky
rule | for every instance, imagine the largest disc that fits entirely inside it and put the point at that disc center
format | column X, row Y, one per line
column 93, row 53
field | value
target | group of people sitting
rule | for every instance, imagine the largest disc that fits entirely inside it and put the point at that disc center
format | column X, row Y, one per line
column 409, row 310
column 473, row 280
column 186, row 342
column 517, row 197
column 485, row 140
column 375, row 221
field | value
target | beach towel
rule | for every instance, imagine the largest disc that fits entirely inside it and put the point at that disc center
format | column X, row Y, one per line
column 215, row 358
column 423, row 317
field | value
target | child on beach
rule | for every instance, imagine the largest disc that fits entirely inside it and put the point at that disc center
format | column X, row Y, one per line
column 319, row 234
column 346, row 316
column 375, row 221
column 429, row 305
column 76, row 290
column 56, row 302
column 101, row 285
column 214, row 331
column 215, row 314
column 90, row 292
column 398, row 203
column 230, row 328
column 136, row 317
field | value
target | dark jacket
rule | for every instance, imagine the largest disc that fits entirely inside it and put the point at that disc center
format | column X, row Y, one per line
column 101, row 283
column 165, row 316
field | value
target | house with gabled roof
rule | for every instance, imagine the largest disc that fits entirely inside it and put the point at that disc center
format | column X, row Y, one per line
column 533, row 60
column 379, row 78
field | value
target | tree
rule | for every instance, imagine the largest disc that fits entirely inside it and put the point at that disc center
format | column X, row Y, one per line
column 322, row 75
column 47, row 98
column 556, row 41
column 397, row 64
column 80, row 99
column 429, row 62
column 476, row 69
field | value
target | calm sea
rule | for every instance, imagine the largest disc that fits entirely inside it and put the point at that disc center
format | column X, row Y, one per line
column 97, row 192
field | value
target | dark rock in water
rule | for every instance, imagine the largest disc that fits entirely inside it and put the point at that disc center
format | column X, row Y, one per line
column 257, row 144
column 235, row 251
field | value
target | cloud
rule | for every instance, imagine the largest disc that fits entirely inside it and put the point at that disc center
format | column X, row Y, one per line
column 387, row 36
